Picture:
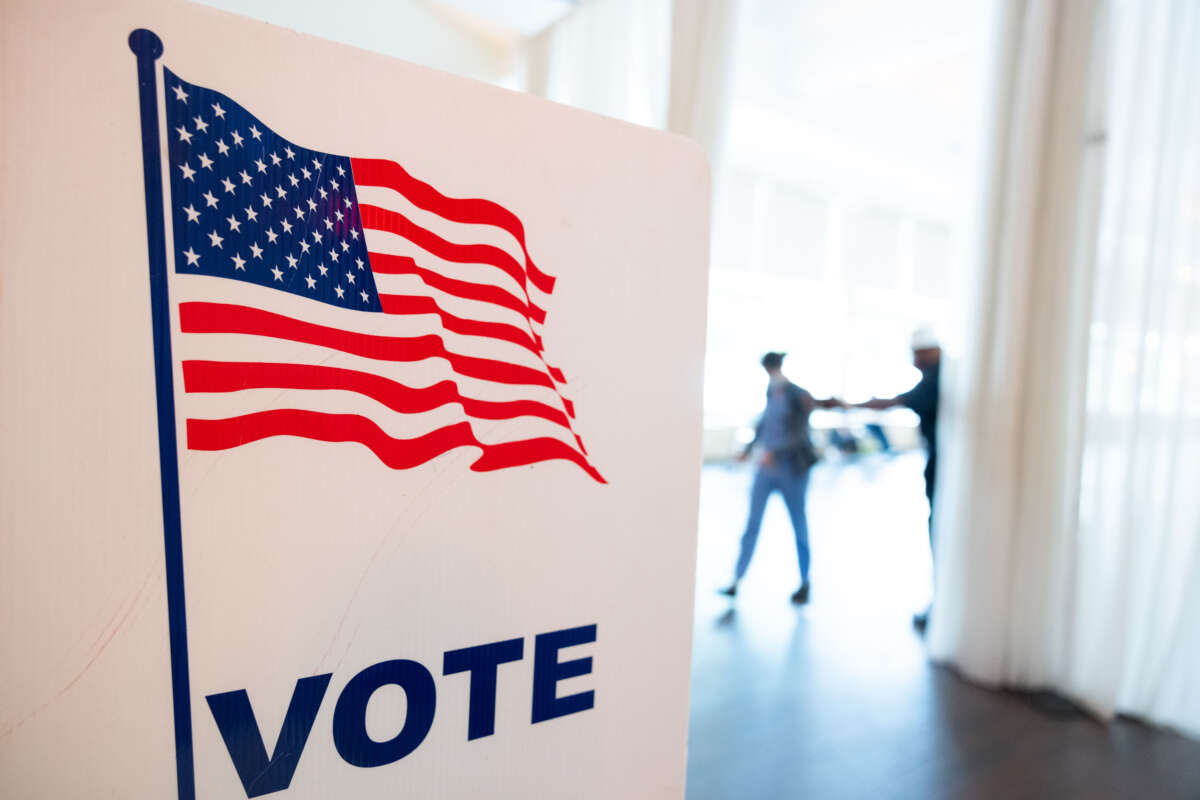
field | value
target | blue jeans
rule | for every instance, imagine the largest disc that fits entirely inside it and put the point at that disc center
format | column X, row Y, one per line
column 793, row 486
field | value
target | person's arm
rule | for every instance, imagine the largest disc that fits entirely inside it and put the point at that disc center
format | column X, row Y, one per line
column 880, row 403
column 745, row 454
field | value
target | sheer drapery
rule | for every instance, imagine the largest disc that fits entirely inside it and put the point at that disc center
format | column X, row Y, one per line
column 1069, row 546
column 1004, row 517
column 1136, row 615
column 660, row 63
column 607, row 56
column 703, row 33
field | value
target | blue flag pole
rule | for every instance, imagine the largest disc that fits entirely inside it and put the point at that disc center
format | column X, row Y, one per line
column 148, row 47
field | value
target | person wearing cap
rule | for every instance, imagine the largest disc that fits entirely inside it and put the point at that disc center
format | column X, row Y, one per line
column 923, row 400
column 786, row 454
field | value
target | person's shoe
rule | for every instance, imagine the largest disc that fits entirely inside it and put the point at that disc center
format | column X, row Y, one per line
column 801, row 595
column 729, row 591
column 920, row 621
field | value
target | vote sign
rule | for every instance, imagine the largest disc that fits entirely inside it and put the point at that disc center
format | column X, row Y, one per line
column 352, row 438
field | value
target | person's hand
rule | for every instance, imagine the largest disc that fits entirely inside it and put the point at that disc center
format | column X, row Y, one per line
column 767, row 458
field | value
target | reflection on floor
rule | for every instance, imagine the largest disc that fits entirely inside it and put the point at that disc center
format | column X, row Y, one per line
column 837, row 700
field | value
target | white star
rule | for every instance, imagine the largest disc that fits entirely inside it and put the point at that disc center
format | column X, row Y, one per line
column 216, row 239
column 333, row 184
column 311, row 205
column 333, row 254
column 255, row 251
column 340, row 170
column 340, row 292
column 188, row 172
column 201, row 125
column 266, row 200
column 237, row 139
column 255, row 132
column 239, row 262
column 280, row 193
column 272, row 235
column 234, row 225
column 365, row 296
column 210, row 199
column 324, row 193
column 348, row 203
column 205, row 162
column 304, row 171
column 316, row 165
column 220, row 112
column 184, row 136
column 350, row 276
column 295, row 181
column 246, row 177
column 354, row 232
column 345, row 246
column 328, row 224
column 193, row 258
column 222, row 148
column 291, row 259
column 299, row 212
column 262, row 165
column 303, row 246
column 312, row 284
column 287, row 226
column 359, row 262
column 340, row 216
column 289, row 152
column 180, row 94
column 228, row 184
column 317, row 237
column 278, row 273
column 251, row 214
column 275, row 160
column 323, row 269
column 192, row 214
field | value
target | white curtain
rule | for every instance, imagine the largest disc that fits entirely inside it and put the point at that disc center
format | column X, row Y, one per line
column 703, row 33
column 1136, row 621
column 1068, row 552
column 659, row 63
column 608, row 56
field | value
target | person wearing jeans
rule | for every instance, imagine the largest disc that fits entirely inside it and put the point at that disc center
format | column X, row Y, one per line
column 786, row 454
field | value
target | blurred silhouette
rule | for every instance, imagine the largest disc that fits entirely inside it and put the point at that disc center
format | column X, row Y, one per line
column 923, row 400
column 785, row 456
column 876, row 432
column 843, row 440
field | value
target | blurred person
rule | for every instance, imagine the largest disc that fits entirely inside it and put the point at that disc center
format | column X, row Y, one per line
column 923, row 400
column 785, row 456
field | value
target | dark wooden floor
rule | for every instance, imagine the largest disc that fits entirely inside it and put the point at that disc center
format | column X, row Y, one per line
column 837, row 700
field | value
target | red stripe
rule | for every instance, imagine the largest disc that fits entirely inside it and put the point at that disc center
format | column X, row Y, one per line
column 223, row 434
column 234, row 376
column 403, row 264
column 529, row 451
column 386, row 264
column 407, row 304
column 200, row 317
column 382, row 219
column 379, row 172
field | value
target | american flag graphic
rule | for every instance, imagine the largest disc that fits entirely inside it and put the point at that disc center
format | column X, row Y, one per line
column 342, row 299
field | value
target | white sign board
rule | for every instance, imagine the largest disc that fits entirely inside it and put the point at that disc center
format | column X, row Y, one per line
column 350, row 423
